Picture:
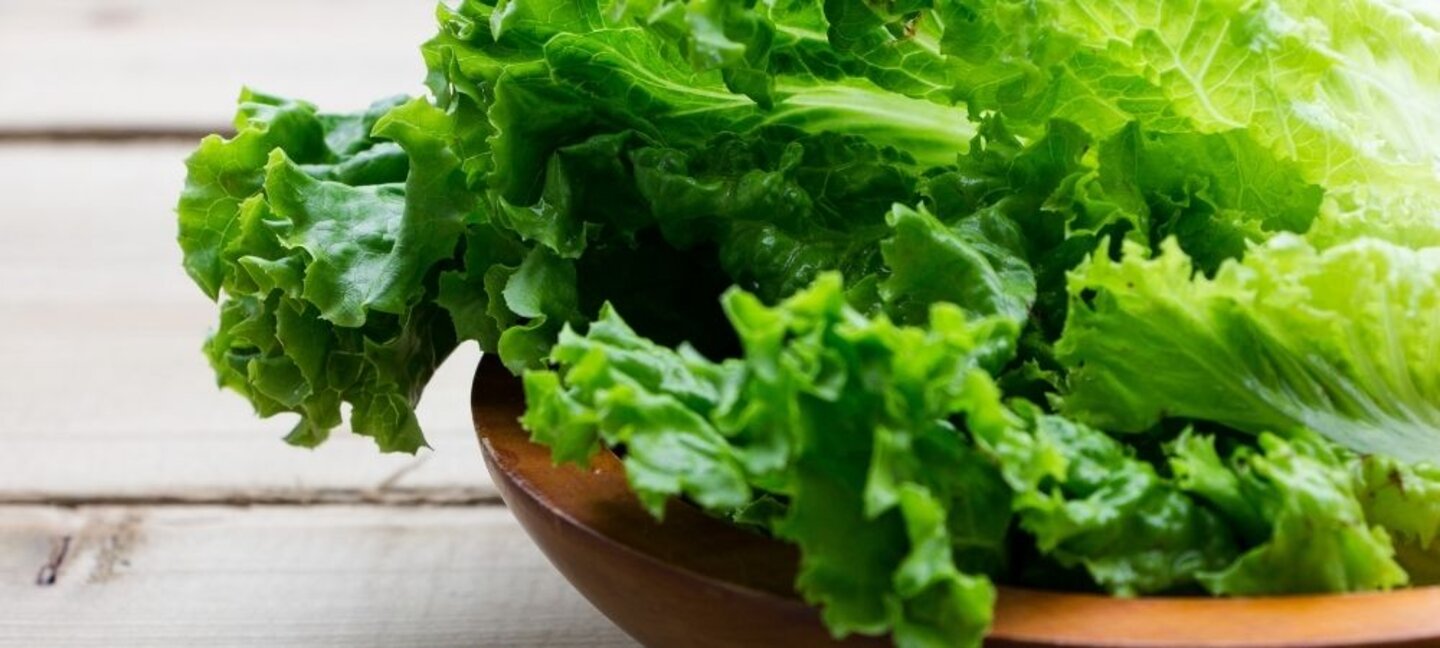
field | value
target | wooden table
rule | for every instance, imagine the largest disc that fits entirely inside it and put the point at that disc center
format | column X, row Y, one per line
column 139, row 505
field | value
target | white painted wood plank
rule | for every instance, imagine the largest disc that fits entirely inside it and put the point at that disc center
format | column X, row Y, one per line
column 285, row 576
column 159, row 64
column 104, row 392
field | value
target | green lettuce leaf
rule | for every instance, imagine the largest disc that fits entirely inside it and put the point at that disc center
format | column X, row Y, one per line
column 931, row 263
column 1331, row 86
column 780, row 206
column 222, row 174
column 322, row 249
column 546, row 84
column 1341, row 341
column 1089, row 502
column 1297, row 500
column 1404, row 499
column 844, row 417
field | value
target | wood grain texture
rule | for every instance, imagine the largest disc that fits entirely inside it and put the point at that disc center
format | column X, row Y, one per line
column 165, row 65
column 284, row 576
column 105, row 395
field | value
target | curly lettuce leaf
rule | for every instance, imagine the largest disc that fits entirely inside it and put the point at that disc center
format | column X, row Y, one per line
column 648, row 399
column 1297, row 499
column 1404, row 499
column 780, row 206
column 931, row 263
column 1331, row 86
column 1047, row 203
column 321, row 233
column 547, row 84
column 760, row 46
column 843, row 416
column 1341, row 341
column 1089, row 502
column 222, row 174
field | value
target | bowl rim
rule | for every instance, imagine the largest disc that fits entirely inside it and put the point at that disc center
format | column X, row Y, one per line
column 1400, row 618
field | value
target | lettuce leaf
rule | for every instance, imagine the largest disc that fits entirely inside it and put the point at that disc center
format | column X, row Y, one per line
column 1404, row 499
column 1332, row 86
column 289, row 238
column 1340, row 341
column 842, row 416
column 1089, row 502
column 1296, row 499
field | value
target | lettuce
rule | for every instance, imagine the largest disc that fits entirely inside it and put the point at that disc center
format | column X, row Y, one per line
column 1340, row 341
column 843, row 416
column 1126, row 297
column 1404, row 499
column 1333, row 86
column 289, row 218
column 1297, row 501
column 1090, row 502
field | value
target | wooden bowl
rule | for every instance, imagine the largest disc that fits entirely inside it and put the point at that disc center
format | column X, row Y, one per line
column 697, row 581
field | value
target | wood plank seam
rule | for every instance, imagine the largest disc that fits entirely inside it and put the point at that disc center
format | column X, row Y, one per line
column 388, row 492
column 109, row 135
column 458, row 497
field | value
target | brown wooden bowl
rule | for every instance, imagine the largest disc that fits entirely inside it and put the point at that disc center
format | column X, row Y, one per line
column 697, row 581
